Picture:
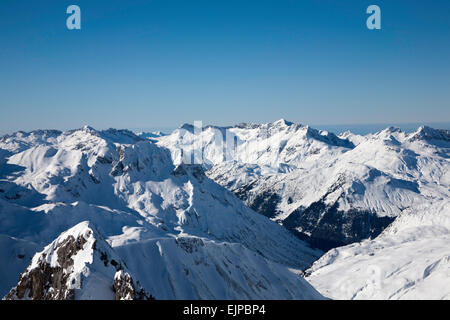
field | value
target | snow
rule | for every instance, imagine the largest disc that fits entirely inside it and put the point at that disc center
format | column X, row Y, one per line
column 409, row 260
column 16, row 255
column 391, row 173
column 198, row 268
column 132, row 193
column 384, row 173
column 84, row 269
column 410, row 265
column 184, row 234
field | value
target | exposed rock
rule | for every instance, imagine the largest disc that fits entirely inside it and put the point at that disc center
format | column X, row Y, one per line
column 189, row 244
column 125, row 288
column 64, row 269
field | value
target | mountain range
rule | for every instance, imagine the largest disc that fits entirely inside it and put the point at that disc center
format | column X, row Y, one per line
column 168, row 227
column 271, row 211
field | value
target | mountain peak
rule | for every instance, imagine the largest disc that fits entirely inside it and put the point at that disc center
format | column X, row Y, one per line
column 71, row 266
column 428, row 133
column 88, row 128
column 392, row 129
column 282, row 122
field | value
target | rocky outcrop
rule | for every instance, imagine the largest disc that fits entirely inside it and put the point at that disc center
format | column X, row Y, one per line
column 126, row 289
column 79, row 264
column 42, row 283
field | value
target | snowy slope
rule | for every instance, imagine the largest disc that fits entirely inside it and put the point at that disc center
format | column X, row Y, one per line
column 198, row 268
column 204, row 242
column 130, row 190
column 409, row 260
column 16, row 255
column 391, row 186
column 329, row 190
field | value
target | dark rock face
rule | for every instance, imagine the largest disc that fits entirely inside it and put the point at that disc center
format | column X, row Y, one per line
column 326, row 227
column 179, row 171
column 266, row 204
column 194, row 169
column 68, row 248
column 189, row 244
column 118, row 166
column 123, row 286
column 49, row 283
column 243, row 192
column 197, row 172
column 427, row 133
column 117, row 169
column 104, row 160
column 125, row 289
column 44, row 281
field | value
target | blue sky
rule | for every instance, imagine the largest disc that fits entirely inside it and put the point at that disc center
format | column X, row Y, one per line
column 158, row 64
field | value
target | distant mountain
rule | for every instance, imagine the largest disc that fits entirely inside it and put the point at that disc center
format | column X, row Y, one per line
column 167, row 226
column 329, row 190
column 150, row 135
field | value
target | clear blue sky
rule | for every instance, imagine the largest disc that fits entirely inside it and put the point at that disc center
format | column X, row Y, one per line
column 156, row 64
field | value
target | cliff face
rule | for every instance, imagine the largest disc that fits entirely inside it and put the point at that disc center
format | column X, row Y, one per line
column 78, row 264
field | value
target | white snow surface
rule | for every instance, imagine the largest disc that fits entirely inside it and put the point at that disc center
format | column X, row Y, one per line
column 203, row 242
column 128, row 188
column 223, row 270
column 16, row 255
column 411, row 258
column 392, row 173
column 385, row 173
column 413, row 263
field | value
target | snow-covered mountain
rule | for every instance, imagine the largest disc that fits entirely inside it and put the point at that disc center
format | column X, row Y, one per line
column 330, row 190
column 79, row 264
column 150, row 135
column 181, row 230
column 386, row 193
column 181, row 235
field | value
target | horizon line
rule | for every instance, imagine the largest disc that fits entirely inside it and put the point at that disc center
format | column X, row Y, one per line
column 369, row 127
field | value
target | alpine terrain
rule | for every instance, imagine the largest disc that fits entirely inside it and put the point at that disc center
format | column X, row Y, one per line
column 89, row 214
column 253, row 211
column 379, row 203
